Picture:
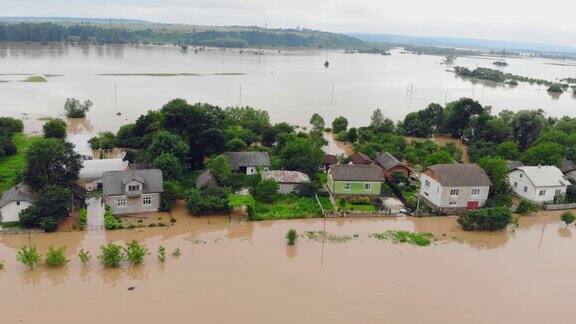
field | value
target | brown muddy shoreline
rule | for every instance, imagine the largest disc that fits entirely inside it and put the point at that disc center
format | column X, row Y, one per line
column 242, row 272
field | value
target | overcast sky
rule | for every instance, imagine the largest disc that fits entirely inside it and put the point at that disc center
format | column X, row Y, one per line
column 533, row 21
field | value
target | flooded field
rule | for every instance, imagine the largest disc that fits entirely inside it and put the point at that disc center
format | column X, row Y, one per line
column 290, row 85
column 242, row 272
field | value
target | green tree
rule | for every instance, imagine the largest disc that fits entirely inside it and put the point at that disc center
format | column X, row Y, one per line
column 53, row 204
column 568, row 218
column 527, row 125
column 266, row 191
column 339, row 124
column 526, row 207
column 220, row 168
column 508, row 150
column 55, row 128
column 207, row 201
column 170, row 165
column 544, row 154
column 439, row 157
column 135, row 252
column 76, row 109
column 56, row 257
column 352, row 135
column 497, row 171
column 457, row 115
column 236, row 144
column 301, row 154
column 111, row 255
column 317, row 122
column 166, row 142
column 51, row 162
column 28, row 256
column 104, row 141
column 486, row 219
column 169, row 195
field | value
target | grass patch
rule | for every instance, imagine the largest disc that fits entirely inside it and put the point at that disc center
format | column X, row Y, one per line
column 420, row 239
column 359, row 207
column 286, row 207
column 236, row 200
column 35, row 78
column 321, row 236
column 326, row 203
column 12, row 167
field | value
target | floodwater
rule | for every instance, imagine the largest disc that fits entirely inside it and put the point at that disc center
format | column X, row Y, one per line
column 242, row 272
column 291, row 85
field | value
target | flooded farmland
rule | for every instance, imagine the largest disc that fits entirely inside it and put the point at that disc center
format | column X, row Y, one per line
column 243, row 272
column 127, row 81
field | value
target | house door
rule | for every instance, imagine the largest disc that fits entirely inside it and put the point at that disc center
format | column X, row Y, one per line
column 472, row 205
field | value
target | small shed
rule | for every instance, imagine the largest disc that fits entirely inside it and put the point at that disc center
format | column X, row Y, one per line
column 390, row 165
column 360, row 159
column 206, row 179
column 288, row 181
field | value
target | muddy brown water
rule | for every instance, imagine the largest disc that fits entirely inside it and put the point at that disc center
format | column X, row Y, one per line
column 242, row 272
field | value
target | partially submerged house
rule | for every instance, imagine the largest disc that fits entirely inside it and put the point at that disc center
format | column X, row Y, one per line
column 133, row 191
column 351, row 179
column 206, row 180
column 249, row 162
column 90, row 175
column 539, row 184
column 454, row 186
column 288, row 181
column 14, row 200
column 327, row 161
column 360, row 159
column 390, row 165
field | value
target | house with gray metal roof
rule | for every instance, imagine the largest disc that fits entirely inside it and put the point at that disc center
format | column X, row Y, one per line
column 133, row 191
column 14, row 200
column 568, row 167
column 288, row 181
column 249, row 162
column 539, row 184
column 390, row 165
column 454, row 186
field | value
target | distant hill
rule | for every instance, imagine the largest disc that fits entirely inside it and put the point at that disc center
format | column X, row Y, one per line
column 469, row 43
column 46, row 29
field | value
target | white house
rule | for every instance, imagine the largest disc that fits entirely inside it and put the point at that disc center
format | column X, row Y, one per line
column 13, row 201
column 455, row 186
column 288, row 181
column 133, row 191
column 538, row 183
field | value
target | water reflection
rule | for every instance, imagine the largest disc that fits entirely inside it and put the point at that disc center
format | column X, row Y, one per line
column 290, row 251
column 79, row 126
column 564, row 232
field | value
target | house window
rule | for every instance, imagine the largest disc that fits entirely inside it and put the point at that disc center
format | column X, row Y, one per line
column 147, row 201
column 475, row 192
column 18, row 203
column 454, row 192
column 542, row 192
column 347, row 186
column 525, row 189
column 367, row 186
column 515, row 184
column 521, row 175
column 427, row 183
column 558, row 192
column 121, row 202
column 134, row 188
column 452, row 203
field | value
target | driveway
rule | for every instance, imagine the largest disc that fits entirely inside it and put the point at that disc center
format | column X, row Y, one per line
column 95, row 208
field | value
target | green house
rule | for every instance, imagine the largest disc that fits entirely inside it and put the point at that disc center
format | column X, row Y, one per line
column 353, row 179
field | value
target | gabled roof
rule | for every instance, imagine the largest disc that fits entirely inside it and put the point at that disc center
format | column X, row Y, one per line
column 360, row 158
column 459, row 175
column 387, row 161
column 248, row 159
column 330, row 159
column 20, row 192
column 567, row 166
column 93, row 169
column 283, row 176
column 511, row 165
column 544, row 176
column 113, row 181
column 355, row 172
column 205, row 178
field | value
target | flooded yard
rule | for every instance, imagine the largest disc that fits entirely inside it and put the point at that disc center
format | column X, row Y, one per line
column 243, row 272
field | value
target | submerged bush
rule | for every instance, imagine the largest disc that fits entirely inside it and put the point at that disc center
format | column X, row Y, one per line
column 397, row 236
column 526, row 207
column 84, row 256
column 135, row 252
column 161, row 253
column 291, row 236
column 111, row 255
column 28, row 256
column 176, row 253
column 82, row 218
column 486, row 219
column 56, row 257
column 1, row 264
column 568, row 218
column 111, row 222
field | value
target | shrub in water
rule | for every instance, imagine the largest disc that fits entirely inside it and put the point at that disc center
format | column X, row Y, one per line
column 1, row 264
column 161, row 253
column 82, row 218
column 28, row 256
column 176, row 253
column 111, row 255
column 568, row 218
column 486, row 219
column 84, row 256
column 56, row 257
column 135, row 252
column 526, row 207
column 291, row 236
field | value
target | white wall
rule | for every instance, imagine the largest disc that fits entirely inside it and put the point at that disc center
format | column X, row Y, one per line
column 254, row 170
column 432, row 192
column 11, row 211
column 441, row 197
column 134, row 205
column 520, row 182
